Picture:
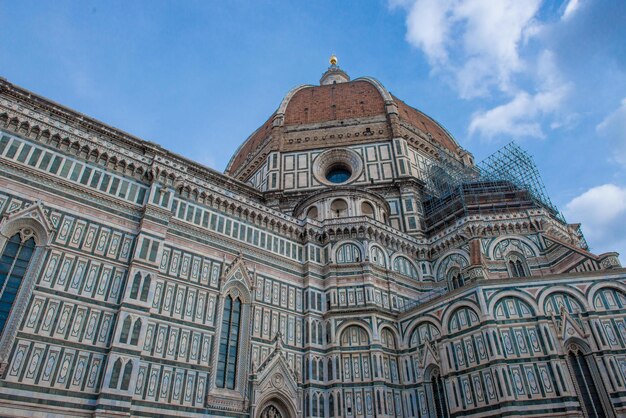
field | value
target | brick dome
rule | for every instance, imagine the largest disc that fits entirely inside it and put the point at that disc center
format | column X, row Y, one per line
column 321, row 110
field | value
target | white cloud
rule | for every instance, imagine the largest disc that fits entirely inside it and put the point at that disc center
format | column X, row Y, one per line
column 602, row 212
column 478, row 40
column 613, row 128
column 427, row 28
column 519, row 117
column 570, row 9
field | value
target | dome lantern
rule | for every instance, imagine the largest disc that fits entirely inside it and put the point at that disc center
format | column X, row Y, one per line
column 334, row 74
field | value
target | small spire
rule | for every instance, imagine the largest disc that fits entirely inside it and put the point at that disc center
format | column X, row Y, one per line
column 333, row 59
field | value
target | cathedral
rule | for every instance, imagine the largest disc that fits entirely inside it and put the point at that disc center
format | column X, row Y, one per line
column 353, row 261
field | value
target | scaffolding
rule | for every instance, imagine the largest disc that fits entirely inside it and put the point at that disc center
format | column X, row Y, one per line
column 513, row 164
column 505, row 181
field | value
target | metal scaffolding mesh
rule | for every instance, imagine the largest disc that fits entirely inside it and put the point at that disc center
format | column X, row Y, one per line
column 511, row 163
column 506, row 180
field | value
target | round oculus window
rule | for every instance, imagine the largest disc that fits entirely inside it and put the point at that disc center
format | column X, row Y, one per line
column 338, row 174
column 338, row 166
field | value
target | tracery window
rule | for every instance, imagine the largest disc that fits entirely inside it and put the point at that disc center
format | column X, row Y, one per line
column 440, row 404
column 455, row 280
column 354, row 336
column 128, row 371
column 145, row 289
column 511, row 307
column 13, row 265
column 348, row 253
column 229, row 341
column 377, row 256
column 134, row 339
column 609, row 299
column 516, row 265
column 134, row 290
column 422, row 333
column 463, row 318
column 125, row 330
column 387, row 339
column 560, row 300
column 115, row 374
column 403, row 266
column 589, row 392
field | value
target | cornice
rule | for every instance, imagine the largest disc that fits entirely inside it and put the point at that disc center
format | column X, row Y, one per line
column 80, row 129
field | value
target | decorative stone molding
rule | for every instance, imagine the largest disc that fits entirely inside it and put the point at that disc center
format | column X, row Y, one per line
column 609, row 261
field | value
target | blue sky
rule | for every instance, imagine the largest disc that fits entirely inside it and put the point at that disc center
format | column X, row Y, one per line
column 198, row 77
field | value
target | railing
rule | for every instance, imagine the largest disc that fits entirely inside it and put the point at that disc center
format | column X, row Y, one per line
column 435, row 293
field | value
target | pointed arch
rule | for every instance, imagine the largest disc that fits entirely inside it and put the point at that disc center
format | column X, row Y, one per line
column 593, row 398
column 226, row 375
column 145, row 288
column 128, row 371
column 422, row 329
column 355, row 322
column 134, row 289
column 389, row 337
column 23, row 236
column 125, row 330
column 134, row 339
column 115, row 374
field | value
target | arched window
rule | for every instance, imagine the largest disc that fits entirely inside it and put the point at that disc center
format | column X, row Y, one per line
column 329, row 369
column 306, row 332
column 306, row 405
column 561, row 300
column 377, row 256
column 403, row 266
column 134, row 339
column 516, row 265
column 13, row 265
column 367, row 210
column 422, row 333
column 115, row 374
column 314, row 332
column 314, row 411
column 314, row 375
column 588, row 390
column 320, row 333
column 338, row 404
column 125, row 330
column 229, row 340
column 145, row 289
column 348, row 253
column 312, row 212
column 339, row 208
column 463, row 318
column 128, row 371
column 511, row 307
column 608, row 299
column 440, row 405
column 387, row 339
column 331, row 404
column 354, row 336
column 455, row 280
column 322, row 405
column 328, row 332
column 134, row 290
